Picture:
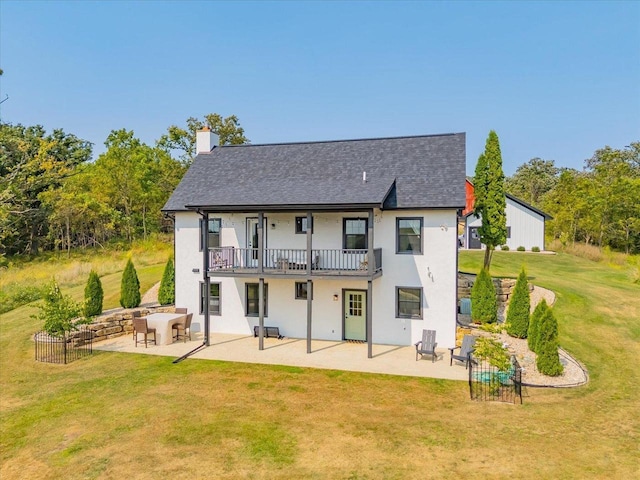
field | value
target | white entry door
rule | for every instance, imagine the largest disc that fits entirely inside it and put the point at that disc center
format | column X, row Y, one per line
column 355, row 315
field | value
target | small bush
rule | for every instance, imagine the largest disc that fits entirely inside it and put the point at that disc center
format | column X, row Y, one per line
column 504, row 248
column 167, row 292
column 93, row 295
column 484, row 306
column 493, row 351
column 130, row 287
column 548, row 360
column 535, row 249
column 534, row 325
column 521, row 248
column 519, row 307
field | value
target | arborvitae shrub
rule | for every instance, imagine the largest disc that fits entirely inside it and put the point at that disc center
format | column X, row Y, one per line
column 167, row 292
column 548, row 360
column 130, row 287
column 534, row 325
column 519, row 307
column 93, row 296
column 484, row 306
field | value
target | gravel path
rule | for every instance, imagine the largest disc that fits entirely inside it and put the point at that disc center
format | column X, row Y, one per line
column 150, row 298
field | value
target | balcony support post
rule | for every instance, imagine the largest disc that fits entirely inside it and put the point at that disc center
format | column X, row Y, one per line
column 309, row 242
column 261, row 314
column 370, row 255
column 369, row 319
column 260, row 242
column 309, row 305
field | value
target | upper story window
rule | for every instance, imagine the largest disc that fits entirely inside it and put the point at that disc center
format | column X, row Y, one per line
column 409, row 235
column 213, row 232
column 354, row 233
column 301, row 225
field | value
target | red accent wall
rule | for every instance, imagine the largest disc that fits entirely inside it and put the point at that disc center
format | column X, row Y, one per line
column 470, row 197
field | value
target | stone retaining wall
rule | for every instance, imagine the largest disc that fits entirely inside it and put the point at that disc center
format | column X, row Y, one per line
column 504, row 287
column 120, row 322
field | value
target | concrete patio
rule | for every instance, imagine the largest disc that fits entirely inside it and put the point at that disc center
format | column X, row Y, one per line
column 387, row 359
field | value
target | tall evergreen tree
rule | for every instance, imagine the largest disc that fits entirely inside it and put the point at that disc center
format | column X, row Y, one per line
column 130, row 287
column 167, row 292
column 490, row 202
column 93, row 296
column 534, row 325
column 484, row 306
column 519, row 308
column 548, row 360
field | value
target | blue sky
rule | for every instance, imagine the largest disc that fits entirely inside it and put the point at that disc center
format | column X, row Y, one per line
column 556, row 80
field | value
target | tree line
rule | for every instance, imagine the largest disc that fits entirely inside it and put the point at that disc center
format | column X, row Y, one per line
column 53, row 197
column 599, row 205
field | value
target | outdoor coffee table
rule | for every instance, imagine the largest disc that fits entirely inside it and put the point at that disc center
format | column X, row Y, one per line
column 163, row 323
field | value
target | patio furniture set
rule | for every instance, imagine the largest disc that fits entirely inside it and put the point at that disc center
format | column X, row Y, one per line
column 159, row 327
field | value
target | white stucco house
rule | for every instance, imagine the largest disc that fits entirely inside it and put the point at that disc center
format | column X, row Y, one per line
column 525, row 224
column 338, row 240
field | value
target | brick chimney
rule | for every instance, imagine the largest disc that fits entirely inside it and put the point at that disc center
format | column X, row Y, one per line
column 206, row 140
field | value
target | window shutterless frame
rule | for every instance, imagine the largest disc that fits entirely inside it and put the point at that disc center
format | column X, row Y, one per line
column 213, row 232
column 301, row 225
column 251, row 299
column 215, row 305
column 409, row 302
column 301, row 291
column 409, row 236
column 354, row 233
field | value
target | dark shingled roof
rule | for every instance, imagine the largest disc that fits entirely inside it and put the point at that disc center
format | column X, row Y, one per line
column 403, row 172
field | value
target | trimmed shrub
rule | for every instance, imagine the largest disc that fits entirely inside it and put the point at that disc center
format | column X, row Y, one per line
column 167, row 292
column 548, row 360
column 534, row 325
column 535, row 249
column 504, row 248
column 129, row 287
column 519, row 307
column 520, row 248
column 484, row 306
column 93, row 296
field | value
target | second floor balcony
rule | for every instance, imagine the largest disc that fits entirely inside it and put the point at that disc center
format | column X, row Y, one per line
column 235, row 261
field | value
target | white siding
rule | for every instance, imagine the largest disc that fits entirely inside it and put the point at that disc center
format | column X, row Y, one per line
column 434, row 271
column 527, row 227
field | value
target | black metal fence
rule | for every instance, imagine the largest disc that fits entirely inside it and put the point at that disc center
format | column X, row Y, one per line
column 488, row 383
column 65, row 348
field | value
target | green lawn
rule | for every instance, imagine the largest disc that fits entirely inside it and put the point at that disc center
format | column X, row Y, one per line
column 118, row 415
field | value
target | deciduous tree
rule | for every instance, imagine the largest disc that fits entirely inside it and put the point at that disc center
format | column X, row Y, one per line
column 183, row 139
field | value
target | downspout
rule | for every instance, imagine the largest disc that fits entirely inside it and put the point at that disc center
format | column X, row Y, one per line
column 207, row 283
